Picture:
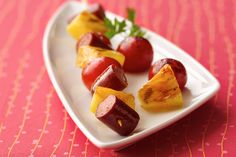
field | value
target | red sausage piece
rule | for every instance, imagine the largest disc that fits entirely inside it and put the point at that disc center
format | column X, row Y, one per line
column 117, row 115
column 94, row 39
column 97, row 10
column 113, row 77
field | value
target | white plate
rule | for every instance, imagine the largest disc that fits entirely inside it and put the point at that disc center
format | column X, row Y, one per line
column 59, row 56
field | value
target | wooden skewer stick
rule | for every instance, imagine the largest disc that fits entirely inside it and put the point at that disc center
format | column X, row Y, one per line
column 85, row 2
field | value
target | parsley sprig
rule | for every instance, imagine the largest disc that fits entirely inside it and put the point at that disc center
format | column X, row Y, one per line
column 135, row 29
column 116, row 26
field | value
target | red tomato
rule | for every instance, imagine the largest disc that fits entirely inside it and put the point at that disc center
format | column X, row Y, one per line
column 94, row 68
column 138, row 54
column 177, row 67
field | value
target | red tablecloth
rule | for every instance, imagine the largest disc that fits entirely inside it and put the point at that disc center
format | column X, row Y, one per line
column 34, row 122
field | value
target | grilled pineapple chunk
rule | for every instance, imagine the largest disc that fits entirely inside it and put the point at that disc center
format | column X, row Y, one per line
column 85, row 22
column 87, row 53
column 101, row 93
column 162, row 92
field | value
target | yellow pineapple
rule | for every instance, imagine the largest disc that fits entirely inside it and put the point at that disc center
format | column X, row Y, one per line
column 87, row 53
column 162, row 92
column 101, row 93
column 85, row 22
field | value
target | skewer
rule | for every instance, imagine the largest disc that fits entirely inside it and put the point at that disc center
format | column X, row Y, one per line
column 85, row 2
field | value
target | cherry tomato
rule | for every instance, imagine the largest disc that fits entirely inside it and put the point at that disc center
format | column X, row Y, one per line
column 94, row 68
column 94, row 39
column 138, row 54
column 177, row 67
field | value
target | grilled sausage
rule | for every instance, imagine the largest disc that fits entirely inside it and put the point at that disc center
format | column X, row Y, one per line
column 113, row 77
column 117, row 115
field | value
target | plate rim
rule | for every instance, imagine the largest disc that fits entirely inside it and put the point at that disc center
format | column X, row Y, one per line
column 130, row 139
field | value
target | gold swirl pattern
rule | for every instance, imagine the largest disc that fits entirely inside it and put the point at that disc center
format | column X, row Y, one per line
column 62, row 132
column 13, row 34
column 35, row 86
column 73, row 140
column 6, row 10
column 210, row 20
column 16, row 87
column 35, row 24
column 186, row 137
column 48, row 107
column 197, row 29
column 231, row 71
column 184, row 9
column 211, row 34
column 234, row 16
column 172, row 19
column 156, row 23
column 85, row 152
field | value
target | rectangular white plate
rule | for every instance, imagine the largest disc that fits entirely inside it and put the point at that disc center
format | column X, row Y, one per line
column 59, row 55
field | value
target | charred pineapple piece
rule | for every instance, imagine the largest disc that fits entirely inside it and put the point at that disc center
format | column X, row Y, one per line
column 102, row 93
column 87, row 53
column 85, row 22
column 162, row 92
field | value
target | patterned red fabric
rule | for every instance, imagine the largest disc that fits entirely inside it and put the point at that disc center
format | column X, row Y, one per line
column 33, row 121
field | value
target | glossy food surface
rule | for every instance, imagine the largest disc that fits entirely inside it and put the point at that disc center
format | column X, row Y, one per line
column 83, row 23
column 162, row 92
column 88, row 53
column 94, row 68
column 102, row 92
column 113, row 77
column 93, row 39
column 117, row 115
column 97, row 10
column 176, row 66
column 138, row 54
column 66, row 78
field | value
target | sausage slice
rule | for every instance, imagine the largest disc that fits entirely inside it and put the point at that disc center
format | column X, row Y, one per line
column 117, row 115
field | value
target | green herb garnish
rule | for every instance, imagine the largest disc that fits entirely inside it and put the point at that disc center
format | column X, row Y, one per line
column 135, row 29
column 116, row 27
column 131, row 14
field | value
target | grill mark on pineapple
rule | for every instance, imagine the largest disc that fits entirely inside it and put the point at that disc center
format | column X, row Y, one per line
column 164, row 94
column 99, row 49
column 168, row 93
column 147, row 94
column 94, row 20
